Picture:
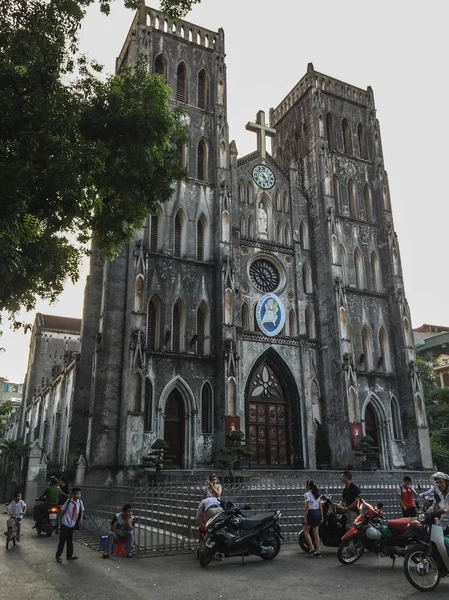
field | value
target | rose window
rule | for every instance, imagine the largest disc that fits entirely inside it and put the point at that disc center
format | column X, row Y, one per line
column 264, row 275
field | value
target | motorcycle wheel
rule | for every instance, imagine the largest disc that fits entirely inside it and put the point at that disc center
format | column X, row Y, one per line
column 277, row 546
column 303, row 542
column 421, row 570
column 206, row 556
column 48, row 532
column 350, row 551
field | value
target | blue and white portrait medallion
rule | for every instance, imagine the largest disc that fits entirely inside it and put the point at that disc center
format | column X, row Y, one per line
column 270, row 314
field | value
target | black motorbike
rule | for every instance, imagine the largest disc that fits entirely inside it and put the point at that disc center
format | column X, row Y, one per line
column 46, row 518
column 332, row 529
column 233, row 533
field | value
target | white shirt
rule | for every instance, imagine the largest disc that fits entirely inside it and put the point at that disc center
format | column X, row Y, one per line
column 314, row 503
column 70, row 518
column 15, row 509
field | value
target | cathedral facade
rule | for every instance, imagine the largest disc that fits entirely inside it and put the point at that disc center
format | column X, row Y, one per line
column 266, row 295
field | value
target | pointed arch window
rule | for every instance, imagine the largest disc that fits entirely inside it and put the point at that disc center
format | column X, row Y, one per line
column 137, row 392
column 279, row 233
column 200, row 328
column 160, row 66
column 396, row 419
column 245, row 317
column 200, row 238
column 336, row 193
column 256, row 326
column 331, row 137
column 307, row 278
column 359, row 270
column 352, row 199
column 408, row 333
column 292, row 323
column 202, row 159
column 368, row 203
column 385, row 354
column 335, row 249
column 375, row 272
column 206, row 409
column 386, row 197
column 347, row 137
column 178, row 249
column 343, row 324
column 249, row 193
column 310, row 323
column 287, row 235
column 363, row 147
column 154, row 226
column 250, row 227
column 367, row 349
column 181, row 83
column 278, row 201
column 203, row 85
column 242, row 226
column 344, row 264
column 304, row 235
column 178, row 326
column 148, row 405
column 395, row 262
column 352, row 405
column 153, row 324
column 241, row 191
column 286, row 203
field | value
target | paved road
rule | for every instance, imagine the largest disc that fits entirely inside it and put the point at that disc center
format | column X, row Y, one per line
column 30, row 571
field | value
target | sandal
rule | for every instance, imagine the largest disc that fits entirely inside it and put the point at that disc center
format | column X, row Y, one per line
column 317, row 554
column 58, row 559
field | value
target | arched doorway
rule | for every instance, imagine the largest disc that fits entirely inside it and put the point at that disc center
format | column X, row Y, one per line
column 371, row 426
column 269, row 421
column 174, row 430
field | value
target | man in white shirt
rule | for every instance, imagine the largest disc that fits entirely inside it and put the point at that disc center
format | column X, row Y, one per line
column 72, row 514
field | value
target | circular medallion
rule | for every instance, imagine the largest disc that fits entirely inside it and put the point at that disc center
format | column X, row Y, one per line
column 264, row 275
column 244, row 288
column 264, row 177
column 288, row 260
column 270, row 314
column 290, row 296
column 243, row 250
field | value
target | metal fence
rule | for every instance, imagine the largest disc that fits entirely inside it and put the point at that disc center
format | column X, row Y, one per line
column 165, row 514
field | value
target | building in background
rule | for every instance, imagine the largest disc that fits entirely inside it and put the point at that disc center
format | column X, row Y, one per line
column 432, row 345
column 10, row 391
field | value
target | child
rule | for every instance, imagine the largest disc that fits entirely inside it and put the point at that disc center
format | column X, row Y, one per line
column 72, row 514
column 17, row 508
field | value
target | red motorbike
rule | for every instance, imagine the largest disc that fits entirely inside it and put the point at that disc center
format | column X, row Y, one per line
column 369, row 533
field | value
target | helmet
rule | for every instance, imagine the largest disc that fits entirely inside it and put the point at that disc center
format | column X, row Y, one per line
column 440, row 475
column 373, row 533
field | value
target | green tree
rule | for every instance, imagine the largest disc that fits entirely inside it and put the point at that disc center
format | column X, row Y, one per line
column 5, row 410
column 237, row 449
column 81, row 157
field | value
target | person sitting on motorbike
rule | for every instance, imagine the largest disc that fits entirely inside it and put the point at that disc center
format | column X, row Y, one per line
column 440, row 506
column 350, row 499
column 434, row 489
column 51, row 494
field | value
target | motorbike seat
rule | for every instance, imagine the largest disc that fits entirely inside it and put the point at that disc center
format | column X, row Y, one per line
column 252, row 522
column 399, row 524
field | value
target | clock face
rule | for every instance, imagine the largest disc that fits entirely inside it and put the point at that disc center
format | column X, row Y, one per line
column 264, row 177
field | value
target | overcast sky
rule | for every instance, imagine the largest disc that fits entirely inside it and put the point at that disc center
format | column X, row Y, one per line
column 398, row 47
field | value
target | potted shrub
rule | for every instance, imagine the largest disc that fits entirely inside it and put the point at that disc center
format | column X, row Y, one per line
column 158, row 456
column 369, row 453
column 236, row 453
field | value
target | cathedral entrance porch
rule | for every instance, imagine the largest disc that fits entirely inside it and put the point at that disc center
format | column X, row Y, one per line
column 271, row 414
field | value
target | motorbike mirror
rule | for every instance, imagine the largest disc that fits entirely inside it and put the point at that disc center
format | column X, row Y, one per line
column 246, row 507
column 380, row 505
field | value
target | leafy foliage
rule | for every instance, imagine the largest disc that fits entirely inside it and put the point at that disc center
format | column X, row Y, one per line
column 237, row 449
column 5, row 409
column 158, row 457
column 367, row 449
column 177, row 10
column 81, row 157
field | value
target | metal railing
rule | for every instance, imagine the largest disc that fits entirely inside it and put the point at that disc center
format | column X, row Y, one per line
column 165, row 514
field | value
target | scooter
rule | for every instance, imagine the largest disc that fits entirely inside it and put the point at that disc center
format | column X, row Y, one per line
column 427, row 561
column 332, row 529
column 233, row 533
column 46, row 518
column 368, row 533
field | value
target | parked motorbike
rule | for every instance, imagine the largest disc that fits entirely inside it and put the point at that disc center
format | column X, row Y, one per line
column 427, row 560
column 233, row 533
column 332, row 529
column 46, row 518
column 368, row 533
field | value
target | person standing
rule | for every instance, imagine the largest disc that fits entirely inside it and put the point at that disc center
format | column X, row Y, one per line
column 313, row 517
column 350, row 499
column 406, row 497
column 122, row 529
column 213, row 488
column 72, row 515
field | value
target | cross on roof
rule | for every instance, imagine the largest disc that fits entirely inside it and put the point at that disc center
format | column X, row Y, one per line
column 261, row 129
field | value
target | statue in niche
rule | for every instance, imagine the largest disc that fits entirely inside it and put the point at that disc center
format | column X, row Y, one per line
column 262, row 219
